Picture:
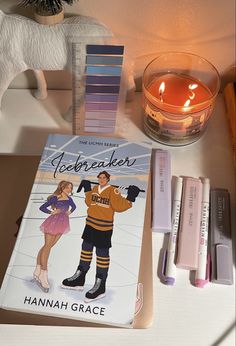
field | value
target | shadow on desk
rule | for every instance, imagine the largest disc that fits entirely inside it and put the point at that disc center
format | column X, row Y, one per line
column 38, row 137
column 219, row 341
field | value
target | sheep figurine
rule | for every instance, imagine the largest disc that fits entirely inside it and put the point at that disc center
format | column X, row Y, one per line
column 25, row 44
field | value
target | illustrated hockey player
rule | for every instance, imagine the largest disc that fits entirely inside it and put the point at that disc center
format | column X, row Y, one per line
column 102, row 201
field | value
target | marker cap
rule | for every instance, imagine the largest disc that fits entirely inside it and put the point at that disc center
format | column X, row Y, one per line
column 168, row 280
column 205, row 189
column 178, row 188
column 202, row 282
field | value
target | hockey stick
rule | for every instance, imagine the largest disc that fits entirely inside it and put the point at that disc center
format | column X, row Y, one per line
column 117, row 186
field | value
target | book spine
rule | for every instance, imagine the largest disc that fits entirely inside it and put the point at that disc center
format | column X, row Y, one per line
column 10, row 265
column 230, row 100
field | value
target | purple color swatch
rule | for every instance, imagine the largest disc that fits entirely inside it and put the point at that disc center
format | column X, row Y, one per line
column 101, row 98
column 100, row 106
column 100, row 115
column 102, row 123
column 107, row 80
column 102, row 89
column 99, row 129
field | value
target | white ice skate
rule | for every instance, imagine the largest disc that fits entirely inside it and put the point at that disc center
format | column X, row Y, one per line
column 42, row 281
column 36, row 273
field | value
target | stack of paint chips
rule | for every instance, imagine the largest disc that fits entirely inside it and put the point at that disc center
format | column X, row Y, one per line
column 102, row 87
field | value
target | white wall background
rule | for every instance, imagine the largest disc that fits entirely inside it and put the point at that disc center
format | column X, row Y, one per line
column 148, row 27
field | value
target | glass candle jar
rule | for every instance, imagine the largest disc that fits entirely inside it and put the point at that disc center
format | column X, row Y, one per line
column 179, row 91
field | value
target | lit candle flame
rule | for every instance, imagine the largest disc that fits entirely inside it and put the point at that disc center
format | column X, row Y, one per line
column 187, row 103
column 162, row 87
column 192, row 86
column 161, row 90
column 192, row 95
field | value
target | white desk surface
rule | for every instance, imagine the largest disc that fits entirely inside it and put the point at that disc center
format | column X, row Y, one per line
column 183, row 315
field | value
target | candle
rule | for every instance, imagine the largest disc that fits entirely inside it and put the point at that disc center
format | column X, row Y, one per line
column 178, row 90
column 176, row 103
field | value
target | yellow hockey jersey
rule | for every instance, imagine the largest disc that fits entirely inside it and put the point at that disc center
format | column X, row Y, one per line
column 102, row 204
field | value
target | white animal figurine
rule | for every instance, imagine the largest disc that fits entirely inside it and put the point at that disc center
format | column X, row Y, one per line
column 25, row 44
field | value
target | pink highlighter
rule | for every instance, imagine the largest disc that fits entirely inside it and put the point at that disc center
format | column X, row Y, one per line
column 190, row 219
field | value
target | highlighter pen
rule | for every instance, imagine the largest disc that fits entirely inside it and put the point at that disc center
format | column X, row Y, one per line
column 220, row 236
column 169, row 271
column 161, row 197
column 202, row 272
column 189, row 226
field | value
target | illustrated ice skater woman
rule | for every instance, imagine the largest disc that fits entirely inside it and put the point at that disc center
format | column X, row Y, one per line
column 102, row 202
column 61, row 206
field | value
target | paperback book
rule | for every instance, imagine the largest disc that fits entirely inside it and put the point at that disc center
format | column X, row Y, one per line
column 78, row 250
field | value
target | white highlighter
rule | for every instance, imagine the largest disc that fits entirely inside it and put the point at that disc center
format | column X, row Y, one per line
column 202, row 272
column 169, row 267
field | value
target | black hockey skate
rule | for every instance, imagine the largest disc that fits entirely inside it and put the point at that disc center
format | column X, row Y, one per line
column 75, row 282
column 97, row 292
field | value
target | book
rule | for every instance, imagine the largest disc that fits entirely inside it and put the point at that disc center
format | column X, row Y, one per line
column 230, row 101
column 77, row 159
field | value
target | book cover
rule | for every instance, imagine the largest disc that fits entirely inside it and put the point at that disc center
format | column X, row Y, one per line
column 77, row 254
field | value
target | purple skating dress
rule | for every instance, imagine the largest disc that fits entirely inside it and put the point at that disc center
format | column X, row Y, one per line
column 58, row 223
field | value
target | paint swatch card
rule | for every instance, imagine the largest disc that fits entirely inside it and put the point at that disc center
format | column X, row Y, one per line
column 97, row 87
